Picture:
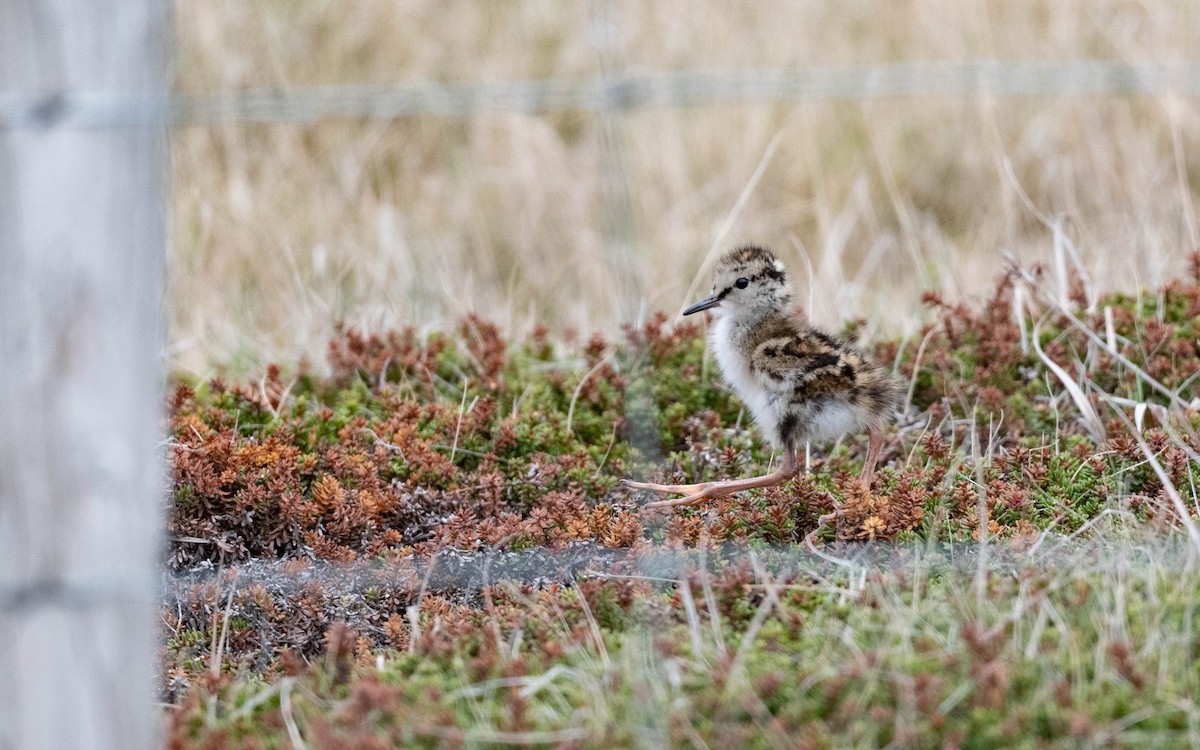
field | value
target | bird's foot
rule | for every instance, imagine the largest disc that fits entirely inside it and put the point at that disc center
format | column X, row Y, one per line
column 674, row 489
column 829, row 519
column 695, row 493
column 692, row 493
column 826, row 521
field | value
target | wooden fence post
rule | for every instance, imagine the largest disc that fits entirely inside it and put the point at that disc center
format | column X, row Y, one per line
column 82, row 248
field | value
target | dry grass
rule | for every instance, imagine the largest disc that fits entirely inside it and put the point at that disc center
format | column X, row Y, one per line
column 281, row 230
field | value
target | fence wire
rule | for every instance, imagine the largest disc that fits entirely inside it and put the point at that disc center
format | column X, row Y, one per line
column 622, row 91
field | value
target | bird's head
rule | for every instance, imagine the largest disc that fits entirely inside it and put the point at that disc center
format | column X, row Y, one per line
column 748, row 282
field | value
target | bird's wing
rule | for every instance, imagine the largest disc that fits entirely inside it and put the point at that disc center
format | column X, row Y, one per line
column 816, row 361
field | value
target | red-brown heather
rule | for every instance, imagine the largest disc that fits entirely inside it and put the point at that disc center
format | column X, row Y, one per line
column 387, row 452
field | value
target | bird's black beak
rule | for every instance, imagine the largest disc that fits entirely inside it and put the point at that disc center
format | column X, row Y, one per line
column 703, row 304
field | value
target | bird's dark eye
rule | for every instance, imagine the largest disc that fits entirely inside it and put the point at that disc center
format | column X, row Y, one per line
column 742, row 283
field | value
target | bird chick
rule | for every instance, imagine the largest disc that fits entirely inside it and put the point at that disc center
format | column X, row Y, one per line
column 800, row 383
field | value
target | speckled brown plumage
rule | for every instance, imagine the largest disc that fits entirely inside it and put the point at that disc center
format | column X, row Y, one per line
column 800, row 383
column 809, row 370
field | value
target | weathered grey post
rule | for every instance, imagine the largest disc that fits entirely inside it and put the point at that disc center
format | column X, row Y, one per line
column 82, row 238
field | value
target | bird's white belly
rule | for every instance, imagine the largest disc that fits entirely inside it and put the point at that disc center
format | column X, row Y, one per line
column 761, row 402
column 834, row 419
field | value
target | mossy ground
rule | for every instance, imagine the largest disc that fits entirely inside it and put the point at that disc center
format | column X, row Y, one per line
column 1000, row 600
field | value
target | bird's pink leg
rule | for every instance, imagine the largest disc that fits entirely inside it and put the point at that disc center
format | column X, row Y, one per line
column 695, row 493
column 874, row 448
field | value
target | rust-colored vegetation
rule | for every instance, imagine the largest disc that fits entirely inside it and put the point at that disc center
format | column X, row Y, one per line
column 344, row 496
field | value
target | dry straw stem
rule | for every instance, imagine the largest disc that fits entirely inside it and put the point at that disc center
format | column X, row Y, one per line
column 280, row 230
column 1182, row 512
column 289, row 719
column 1091, row 420
column 1065, row 310
column 579, row 388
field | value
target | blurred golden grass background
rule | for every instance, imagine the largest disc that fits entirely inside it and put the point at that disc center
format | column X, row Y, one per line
column 281, row 230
